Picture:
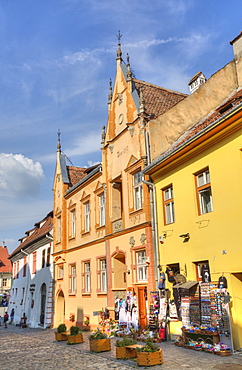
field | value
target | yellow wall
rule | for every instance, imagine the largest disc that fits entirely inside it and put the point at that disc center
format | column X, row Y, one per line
column 214, row 236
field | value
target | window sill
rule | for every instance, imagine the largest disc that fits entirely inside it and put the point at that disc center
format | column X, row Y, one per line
column 84, row 233
column 60, row 278
column 102, row 293
column 136, row 212
column 102, row 227
column 86, row 294
column 71, row 238
column 72, row 295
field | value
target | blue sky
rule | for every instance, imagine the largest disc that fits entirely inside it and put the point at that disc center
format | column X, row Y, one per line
column 56, row 59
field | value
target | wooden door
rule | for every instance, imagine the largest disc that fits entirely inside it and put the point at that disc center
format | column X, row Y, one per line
column 142, row 297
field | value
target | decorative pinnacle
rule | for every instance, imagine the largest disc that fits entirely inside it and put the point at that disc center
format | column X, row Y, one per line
column 129, row 73
column 119, row 52
column 110, row 95
column 59, row 144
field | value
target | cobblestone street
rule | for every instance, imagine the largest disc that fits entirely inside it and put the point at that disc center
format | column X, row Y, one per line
column 37, row 349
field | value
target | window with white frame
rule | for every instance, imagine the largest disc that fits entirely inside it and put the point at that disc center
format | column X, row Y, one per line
column 168, row 204
column 137, row 186
column 87, row 277
column 204, row 192
column 58, row 229
column 72, row 279
column 103, row 275
column 60, row 273
column 87, row 217
column 73, row 223
column 141, row 260
column 4, row 282
column 101, row 201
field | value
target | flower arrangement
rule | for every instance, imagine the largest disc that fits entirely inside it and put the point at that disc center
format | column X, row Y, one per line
column 97, row 334
column 72, row 317
column 86, row 321
column 107, row 326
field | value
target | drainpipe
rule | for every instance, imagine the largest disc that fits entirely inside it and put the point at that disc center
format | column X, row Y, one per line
column 154, row 226
column 27, row 285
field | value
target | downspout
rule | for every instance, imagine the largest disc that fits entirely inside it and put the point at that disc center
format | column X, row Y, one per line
column 154, row 227
column 153, row 209
column 27, row 285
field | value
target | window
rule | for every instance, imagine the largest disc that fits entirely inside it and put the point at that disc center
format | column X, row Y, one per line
column 60, row 273
column 17, row 270
column 72, row 279
column 25, row 266
column 87, row 217
column 141, row 260
column 87, row 277
column 34, row 263
column 58, row 229
column 168, row 204
column 103, row 275
column 101, row 205
column 202, row 271
column 204, row 193
column 22, row 299
column 73, row 224
column 48, row 256
column 4, row 282
column 137, row 185
column 43, row 258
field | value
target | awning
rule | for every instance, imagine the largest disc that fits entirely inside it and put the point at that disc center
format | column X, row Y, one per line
column 188, row 285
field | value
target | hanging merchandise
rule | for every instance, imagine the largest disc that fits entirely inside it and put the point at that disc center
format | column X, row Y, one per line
column 205, row 273
column 154, row 311
column 170, row 275
column 162, row 279
column 222, row 282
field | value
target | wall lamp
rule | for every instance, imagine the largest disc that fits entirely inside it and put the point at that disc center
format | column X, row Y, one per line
column 185, row 236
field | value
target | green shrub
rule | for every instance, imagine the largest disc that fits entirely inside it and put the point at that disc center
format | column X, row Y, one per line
column 61, row 328
column 125, row 342
column 149, row 347
column 74, row 330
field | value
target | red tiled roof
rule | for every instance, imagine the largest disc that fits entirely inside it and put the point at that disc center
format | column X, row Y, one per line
column 40, row 230
column 158, row 100
column 5, row 263
column 75, row 174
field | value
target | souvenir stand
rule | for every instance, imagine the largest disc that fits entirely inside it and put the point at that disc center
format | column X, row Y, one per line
column 204, row 311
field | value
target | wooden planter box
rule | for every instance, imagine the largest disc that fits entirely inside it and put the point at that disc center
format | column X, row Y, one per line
column 100, row 345
column 149, row 358
column 121, row 352
column 61, row 336
column 74, row 339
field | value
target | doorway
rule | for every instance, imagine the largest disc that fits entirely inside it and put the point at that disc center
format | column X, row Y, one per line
column 42, row 303
column 142, row 301
column 60, row 308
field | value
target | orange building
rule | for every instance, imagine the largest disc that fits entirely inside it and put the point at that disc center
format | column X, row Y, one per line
column 105, row 249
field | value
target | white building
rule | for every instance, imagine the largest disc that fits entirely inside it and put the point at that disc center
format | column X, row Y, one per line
column 32, row 288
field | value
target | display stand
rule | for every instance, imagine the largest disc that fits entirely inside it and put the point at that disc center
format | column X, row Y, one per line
column 154, row 311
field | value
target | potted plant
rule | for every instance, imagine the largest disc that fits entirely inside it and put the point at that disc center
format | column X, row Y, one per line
column 99, row 342
column 75, row 336
column 61, row 333
column 149, row 355
column 121, row 344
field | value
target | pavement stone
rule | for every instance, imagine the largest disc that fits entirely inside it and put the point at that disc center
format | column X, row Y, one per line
column 37, row 349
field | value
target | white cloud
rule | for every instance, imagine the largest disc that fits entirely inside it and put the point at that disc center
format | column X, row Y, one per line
column 19, row 176
column 85, row 144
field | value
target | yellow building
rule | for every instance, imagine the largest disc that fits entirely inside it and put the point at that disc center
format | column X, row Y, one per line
column 199, row 200
column 105, row 250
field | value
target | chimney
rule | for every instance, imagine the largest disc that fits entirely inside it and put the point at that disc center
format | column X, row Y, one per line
column 237, row 47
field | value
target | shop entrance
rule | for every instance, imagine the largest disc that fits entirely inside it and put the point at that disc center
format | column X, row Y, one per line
column 42, row 304
column 60, row 308
column 142, row 301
